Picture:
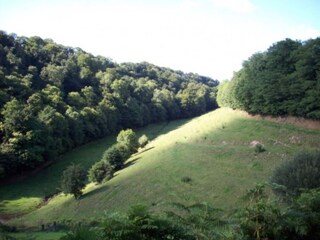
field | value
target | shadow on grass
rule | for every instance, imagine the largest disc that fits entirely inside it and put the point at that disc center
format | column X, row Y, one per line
column 130, row 163
column 102, row 188
column 144, row 150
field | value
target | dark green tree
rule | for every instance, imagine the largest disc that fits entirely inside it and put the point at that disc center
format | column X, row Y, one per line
column 73, row 180
column 116, row 155
column 280, row 81
column 101, row 170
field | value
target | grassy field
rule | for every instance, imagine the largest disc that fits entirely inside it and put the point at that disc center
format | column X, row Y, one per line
column 25, row 196
column 212, row 150
column 38, row 235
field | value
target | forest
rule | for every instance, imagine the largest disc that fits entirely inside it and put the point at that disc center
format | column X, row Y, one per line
column 54, row 98
column 284, row 80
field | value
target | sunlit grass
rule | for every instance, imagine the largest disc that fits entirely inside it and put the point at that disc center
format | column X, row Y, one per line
column 27, row 195
column 21, row 205
column 213, row 150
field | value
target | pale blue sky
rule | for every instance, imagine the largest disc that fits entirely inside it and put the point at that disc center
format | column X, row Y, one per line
column 209, row 37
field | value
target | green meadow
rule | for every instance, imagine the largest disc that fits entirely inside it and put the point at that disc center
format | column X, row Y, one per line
column 212, row 151
column 38, row 235
column 27, row 195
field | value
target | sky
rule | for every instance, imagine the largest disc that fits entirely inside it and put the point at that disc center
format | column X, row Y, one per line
column 208, row 37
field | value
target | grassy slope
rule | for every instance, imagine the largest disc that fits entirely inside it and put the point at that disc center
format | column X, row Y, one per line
column 26, row 195
column 213, row 150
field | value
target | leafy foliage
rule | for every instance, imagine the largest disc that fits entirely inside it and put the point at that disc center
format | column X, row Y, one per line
column 81, row 233
column 284, row 80
column 200, row 220
column 138, row 223
column 304, row 215
column 73, row 180
column 128, row 139
column 259, row 148
column 263, row 217
column 301, row 172
column 54, row 98
column 260, row 218
column 101, row 170
column 116, row 155
column 143, row 141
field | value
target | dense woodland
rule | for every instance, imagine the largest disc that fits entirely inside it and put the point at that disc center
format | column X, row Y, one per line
column 54, row 98
column 284, row 80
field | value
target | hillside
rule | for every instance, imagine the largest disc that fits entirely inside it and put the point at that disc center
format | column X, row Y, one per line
column 213, row 150
column 54, row 98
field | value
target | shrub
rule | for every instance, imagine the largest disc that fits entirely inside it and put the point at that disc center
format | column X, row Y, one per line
column 143, row 141
column 199, row 220
column 99, row 171
column 116, row 155
column 301, row 220
column 73, row 180
column 259, row 148
column 260, row 218
column 128, row 138
column 308, row 204
column 301, row 172
column 140, row 224
column 124, row 150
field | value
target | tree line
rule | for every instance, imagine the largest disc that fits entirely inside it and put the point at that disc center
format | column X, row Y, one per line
column 74, row 178
column 284, row 80
column 54, row 98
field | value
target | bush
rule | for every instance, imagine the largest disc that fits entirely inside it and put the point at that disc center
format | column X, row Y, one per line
column 302, row 172
column 116, row 155
column 143, row 141
column 260, row 218
column 124, row 151
column 301, row 220
column 259, row 148
column 140, row 224
column 100, row 171
column 128, row 138
column 112, row 160
column 73, row 180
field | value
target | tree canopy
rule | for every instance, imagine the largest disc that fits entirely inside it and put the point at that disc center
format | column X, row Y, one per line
column 54, row 98
column 284, row 80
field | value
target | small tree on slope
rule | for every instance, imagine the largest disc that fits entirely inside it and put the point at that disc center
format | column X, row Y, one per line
column 73, row 180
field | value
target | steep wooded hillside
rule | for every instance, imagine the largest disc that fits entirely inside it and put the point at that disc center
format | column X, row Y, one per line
column 54, row 98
